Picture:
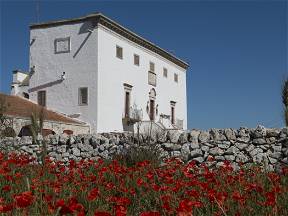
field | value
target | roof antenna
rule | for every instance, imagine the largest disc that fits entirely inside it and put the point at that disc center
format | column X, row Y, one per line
column 37, row 11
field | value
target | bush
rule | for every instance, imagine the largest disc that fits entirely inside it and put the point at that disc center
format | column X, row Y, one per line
column 8, row 132
column 140, row 152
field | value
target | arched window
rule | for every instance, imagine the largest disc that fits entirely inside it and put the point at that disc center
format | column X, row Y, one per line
column 25, row 131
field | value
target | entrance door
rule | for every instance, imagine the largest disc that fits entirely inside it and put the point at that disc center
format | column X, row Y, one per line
column 127, row 104
column 173, row 115
column 152, row 110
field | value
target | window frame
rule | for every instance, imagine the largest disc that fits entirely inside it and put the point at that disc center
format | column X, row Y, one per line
column 165, row 72
column 176, row 78
column 80, row 100
column 62, row 39
column 136, row 56
column 152, row 63
column 121, row 48
column 40, row 98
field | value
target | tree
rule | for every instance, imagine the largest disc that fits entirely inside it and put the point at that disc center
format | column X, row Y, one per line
column 285, row 100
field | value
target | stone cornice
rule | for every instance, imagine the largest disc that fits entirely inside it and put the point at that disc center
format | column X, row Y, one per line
column 114, row 26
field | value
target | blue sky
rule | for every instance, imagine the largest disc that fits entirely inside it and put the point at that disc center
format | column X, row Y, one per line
column 237, row 50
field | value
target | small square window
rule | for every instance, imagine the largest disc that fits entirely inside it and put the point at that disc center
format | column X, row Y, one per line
column 165, row 72
column 176, row 77
column 119, row 52
column 41, row 96
column 83, row 96
column 152, row 67
column 136, row 60
column 62, row 45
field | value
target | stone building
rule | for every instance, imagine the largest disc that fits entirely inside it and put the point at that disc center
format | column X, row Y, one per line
column 18, row 111
column 95, row 70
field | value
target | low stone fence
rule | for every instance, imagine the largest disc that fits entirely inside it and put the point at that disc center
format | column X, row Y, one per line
column 268, row 147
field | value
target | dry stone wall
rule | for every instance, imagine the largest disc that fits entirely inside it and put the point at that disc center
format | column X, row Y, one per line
column 268, row 147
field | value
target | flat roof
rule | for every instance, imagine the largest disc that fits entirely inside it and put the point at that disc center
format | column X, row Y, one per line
column 99, row 18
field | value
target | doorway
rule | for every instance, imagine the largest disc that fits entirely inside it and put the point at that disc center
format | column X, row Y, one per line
column 152, row 110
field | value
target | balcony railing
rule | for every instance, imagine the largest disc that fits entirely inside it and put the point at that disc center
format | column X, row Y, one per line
column 152, row 79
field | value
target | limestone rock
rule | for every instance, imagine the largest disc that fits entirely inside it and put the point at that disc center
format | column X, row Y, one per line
column 259, row 141
column 205, row 148
column 173, row 136
column 76, row 152
column 219, row 158
column 175, row 154
column 217, row 135
column 224, row 145
column 230, row 134
column 183, row 138
column 193, row 136
column 256, row 151
column 229, row 157
column 241, row 158
column 195, row 153
column 63, row 138
column 259, row 132
column 171, row 147
column 231, row 151
column 199, row 159
column 204, row 136
column 216, row 151
column 241, row 146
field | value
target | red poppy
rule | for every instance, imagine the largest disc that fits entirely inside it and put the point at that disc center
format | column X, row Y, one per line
column 93, row 194
column 150, row 213
column 24, row 199
column 102, row 213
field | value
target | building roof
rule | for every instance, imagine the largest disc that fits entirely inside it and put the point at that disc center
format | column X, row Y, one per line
column 98, row 18
column 22, row 107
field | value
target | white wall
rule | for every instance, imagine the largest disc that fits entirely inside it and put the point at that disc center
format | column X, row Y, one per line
column 113, row 72
column 96, row 66
column 17, row 88
column 80, row 66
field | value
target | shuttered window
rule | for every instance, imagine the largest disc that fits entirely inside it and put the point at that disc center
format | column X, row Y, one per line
column 119, row 52
column 83, row 96
column 152, row 67
column 165, row 72
column 176, row 77
column 136, row 60
column 41, row 98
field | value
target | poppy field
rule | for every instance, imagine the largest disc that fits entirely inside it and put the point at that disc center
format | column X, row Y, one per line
column 104, row 188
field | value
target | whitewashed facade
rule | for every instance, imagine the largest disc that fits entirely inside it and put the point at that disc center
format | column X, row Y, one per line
column 70, row 58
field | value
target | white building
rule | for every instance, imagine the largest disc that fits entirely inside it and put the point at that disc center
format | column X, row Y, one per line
column 93, row 69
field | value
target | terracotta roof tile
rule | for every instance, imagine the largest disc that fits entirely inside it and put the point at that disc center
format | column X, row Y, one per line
column 22, row 107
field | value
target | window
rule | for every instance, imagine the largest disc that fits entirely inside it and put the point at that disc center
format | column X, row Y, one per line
column 127, row 104
column 176, row 77
column 62, row 45
column 152, row 67
column 136, row 60
column 172, row 105
column 119, row 52
column 83, row 96
column 165, row 72
column 41, row 95
column 127, row 99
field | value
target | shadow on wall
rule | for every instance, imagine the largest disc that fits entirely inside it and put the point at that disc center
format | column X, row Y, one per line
column 87, row 27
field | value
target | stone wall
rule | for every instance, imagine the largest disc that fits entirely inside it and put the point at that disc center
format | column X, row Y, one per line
column 268, row 147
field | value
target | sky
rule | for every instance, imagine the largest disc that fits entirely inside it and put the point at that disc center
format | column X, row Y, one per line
column 237, row 50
